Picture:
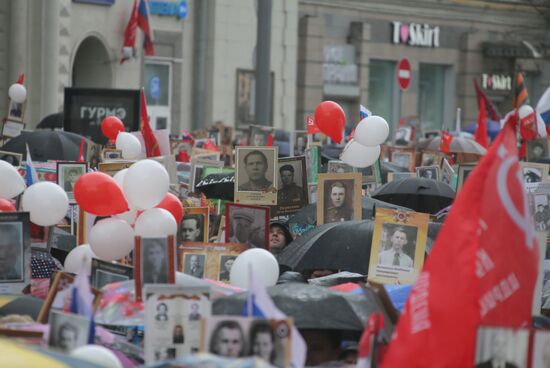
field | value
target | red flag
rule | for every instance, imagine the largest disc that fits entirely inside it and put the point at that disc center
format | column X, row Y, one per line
column 312, row 128
column 81, row 150
column 491, row 109
column 21, row 79
column 270, row 140
column 143, row 23
column 129, row 43
column 211, row 146
column 445, row 144
column 481, row 271
column 151, row 145
column 367, row 345
column 481, row 131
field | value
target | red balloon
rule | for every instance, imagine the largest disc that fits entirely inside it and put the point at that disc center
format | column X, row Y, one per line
column 111, row 126
column 330, row 119
column 99, row 194
column 6, row 206
column 172, row 204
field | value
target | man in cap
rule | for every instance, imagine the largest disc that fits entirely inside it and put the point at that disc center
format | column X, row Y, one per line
column 242, row 230
column 337, row 210
column 255, row 166
column 290, row 193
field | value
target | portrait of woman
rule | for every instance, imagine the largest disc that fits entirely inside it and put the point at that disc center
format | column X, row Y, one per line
column 262, row 341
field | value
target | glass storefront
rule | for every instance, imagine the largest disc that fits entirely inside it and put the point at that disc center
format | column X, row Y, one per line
column 431, row 96
column 381, row 88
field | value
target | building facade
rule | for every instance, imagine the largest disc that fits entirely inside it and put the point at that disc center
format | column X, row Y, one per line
column 349, row 51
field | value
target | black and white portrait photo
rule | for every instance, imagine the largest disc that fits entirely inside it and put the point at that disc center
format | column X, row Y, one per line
column 161, row 314
column 256, row 169
column 226, row 262
column 15, row 111
column 258, row 136
column 402, row 159
column 501, row 347
column 228, row 340
column 11, row 252
column 300, row 143
column 537, row 150
column 336, row 166
column 428, row 172
column 397, row 245
column 292, row 194
column 104, row 273
column 68, row 331
column 340, row 197
column 155, row 262
column 192, row 228
column 247, row 225
column 11, row 158
column 68, row 174
column 194, row 264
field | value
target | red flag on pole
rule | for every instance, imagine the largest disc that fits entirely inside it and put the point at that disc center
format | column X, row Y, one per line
column 312, row 128
column 81, row 151
column 445, row 143
column 481, row 131
column 521, row 95
column 477, row 273
column 491, row 109
column 366, row 356
column 129, row 44
column 269, row 142
column 151, row 145
column 21, row 79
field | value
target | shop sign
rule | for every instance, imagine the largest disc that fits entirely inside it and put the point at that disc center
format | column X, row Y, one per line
column 415, row 34
column 176, row 9
column 339, row 65
column 496, row 82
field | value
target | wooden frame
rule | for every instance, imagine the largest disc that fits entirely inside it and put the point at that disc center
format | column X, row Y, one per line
column 350, row 204
column 18, row 158
column 111, row 154
column 111, row 168
column 265, row 196
column 170, row 252
column 60, row 168
column 431, row 158
column 230, row 215
column 123, row 271
column 201, row 211
column 61, row 282
column 291, row 206
column 15, row 111
column 396, row 152
column 463, row 172
column 425, row 169
column 15, row 231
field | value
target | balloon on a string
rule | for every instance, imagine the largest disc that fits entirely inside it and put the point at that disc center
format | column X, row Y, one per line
column 155, row 223
column 111, row 239
column 46, row 202
column 357, row 155
column 330, row 119
column 263, row 264
column 17, row 93
column 11, row 182
column 99, row 194
column 145, row 184
column 372, row 131
column 6, row 206
column 129, row 145
column 78, row 258
column 172, row 204
column 111, row 126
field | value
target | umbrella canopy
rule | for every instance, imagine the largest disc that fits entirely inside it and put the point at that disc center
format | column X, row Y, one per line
column 47, row 145
column 458, row 145
column 217, row 186
column 20, row 304
column 311, row 306
column 51, row 121
column 419, row 194
column 343, row 246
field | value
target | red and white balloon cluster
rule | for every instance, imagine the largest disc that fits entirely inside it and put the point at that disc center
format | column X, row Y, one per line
column 364, row 149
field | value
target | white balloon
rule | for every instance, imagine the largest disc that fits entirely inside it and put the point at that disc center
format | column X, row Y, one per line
column 525, row 110
column 11, row 182
column 372, row 131
column 357, row 155
column 78, row 258
column 47, row 203
column 129, row 145
column 98, row 355
column 264, row 267
column 145, row 184
column 17, row 92
column 156, row 223
column 128, row 216
column 111, row 239
column 119, row 177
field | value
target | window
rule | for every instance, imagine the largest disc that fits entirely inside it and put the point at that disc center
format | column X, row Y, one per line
column 431, row 96
column 158, row 91
column 381, row 88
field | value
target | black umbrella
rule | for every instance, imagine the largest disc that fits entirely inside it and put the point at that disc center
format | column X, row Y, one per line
column 422, row 195
column 51, row 121
column 343, row 246
column 308, row 214
column 312, row 307
column 47, row 145
column 217, row 186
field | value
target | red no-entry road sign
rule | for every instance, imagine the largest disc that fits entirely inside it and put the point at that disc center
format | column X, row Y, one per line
column 404, row 74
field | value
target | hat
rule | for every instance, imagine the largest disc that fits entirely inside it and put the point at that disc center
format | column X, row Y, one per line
column 243, row 214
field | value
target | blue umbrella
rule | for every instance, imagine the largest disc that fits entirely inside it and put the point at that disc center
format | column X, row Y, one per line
column 493, row 127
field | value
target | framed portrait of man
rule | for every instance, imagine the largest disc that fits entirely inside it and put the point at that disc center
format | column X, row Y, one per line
column 15, row 251
column 247, row 225
column 533, row 174
column 226, row 263
column 398, row 246
column 155, row 262
column 292, row 194
column 338, row 197
column 68, row 173
column 537, row 150
column 68, row 331
column 16, row 110
column 298, row 143
column 501, row 347
column 208, row 260
column 428, row 172
column 539, row 205
column 173, row 316
column 447, row 173
column 104, row 273
column 268, row 339
column 258, row 136
column 11, row 158
column 194, row 264
column 256, row 175
column 195, row 224
column 403, row 156
column 464, row 171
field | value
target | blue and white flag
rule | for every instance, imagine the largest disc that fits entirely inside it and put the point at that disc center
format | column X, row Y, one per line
column 31, row 176
column 364, row 112
column 260, row 304
column 82, row 300
column 543, row 109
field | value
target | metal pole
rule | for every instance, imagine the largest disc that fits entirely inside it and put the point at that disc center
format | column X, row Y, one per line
column 262, row 107
column 199, row 64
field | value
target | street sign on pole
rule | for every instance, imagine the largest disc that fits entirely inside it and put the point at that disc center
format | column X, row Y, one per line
column 404, row 74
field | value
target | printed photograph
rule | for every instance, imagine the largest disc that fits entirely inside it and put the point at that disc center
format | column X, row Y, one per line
column 340, row 198
column 11, row 158
column 194, row 224
column 104, row 273
column 226, row 262
column 299, row 142
column 15, row 111
column 501, row 347
column 402, row 157
column 258, row 136
column 194, row 264
column 292, row 194
column 67, row 175
column 68, row 331
column 256, row 178
column 11, row 252
column 109, row 154
column 537, row 150
column 155, row 262
column 248, row 225
column 447, row 173
column 336, row 166
column 463, row 173
column 428, row 172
